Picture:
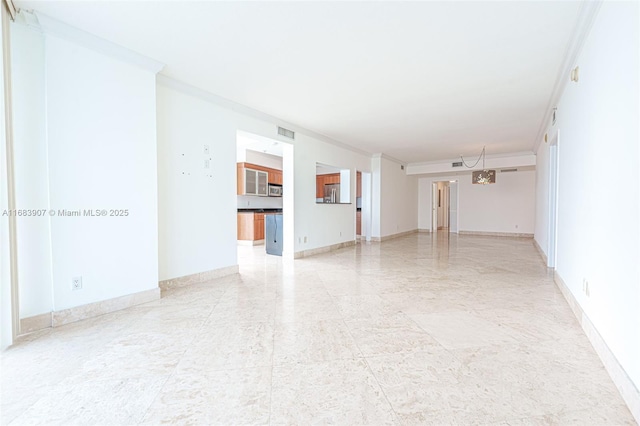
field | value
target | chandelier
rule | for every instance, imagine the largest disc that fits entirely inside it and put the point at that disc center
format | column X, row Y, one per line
column 484, row 176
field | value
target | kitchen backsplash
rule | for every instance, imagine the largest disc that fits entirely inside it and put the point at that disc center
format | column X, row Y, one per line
column 254, row 202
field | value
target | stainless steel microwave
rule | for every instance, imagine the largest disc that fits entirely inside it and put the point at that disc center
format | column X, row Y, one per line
column 275, row 190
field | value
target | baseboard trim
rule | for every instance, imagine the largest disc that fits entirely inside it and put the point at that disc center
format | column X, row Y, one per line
column 95, row 309
column 35, row 323
column 199, row 277
column 497, row 234
column 626, row 387
column 540, row 252
column 427, row 231
column 392, row 236
column 325, row 249
column 90, row 310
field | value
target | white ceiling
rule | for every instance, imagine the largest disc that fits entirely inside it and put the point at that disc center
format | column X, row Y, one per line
column 419, row 81
column 253, row 142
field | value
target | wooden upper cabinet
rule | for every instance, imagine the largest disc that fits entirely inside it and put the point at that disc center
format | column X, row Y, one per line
column 275, row 177
column 240, row 178
column 332, row 178
column 250, row 175
column 358, row 184
column 322, row 180
column 319, row 186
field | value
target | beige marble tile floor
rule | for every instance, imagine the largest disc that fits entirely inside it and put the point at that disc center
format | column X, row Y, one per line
column 423, row 329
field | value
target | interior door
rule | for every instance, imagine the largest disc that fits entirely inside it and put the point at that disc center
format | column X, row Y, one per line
column 453, row 207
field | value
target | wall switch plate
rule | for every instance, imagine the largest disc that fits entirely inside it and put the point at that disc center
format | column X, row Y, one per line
column 206, row 150
column 76, row 283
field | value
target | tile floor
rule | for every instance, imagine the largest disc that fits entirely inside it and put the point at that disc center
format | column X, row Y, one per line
column 424, row 329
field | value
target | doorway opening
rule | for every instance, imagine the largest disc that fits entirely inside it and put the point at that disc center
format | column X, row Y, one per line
column 363, row 206
column 264, row 191
column 444, row 206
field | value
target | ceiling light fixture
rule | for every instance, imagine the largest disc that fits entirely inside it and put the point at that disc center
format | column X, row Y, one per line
column 484, row 176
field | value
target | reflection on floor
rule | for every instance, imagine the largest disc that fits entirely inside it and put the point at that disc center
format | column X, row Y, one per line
column 424, row 329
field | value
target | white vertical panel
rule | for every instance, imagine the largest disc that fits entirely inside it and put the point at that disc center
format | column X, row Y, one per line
column 453, row 207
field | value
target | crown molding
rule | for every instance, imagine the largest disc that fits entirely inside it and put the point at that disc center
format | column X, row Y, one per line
column 443, row 167
column 587, row 15
column 245, row 110
column 388, row 157
column 50, row 26
column 487, row 156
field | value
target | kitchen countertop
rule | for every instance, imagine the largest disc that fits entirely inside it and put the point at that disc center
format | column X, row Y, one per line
column 259, row 210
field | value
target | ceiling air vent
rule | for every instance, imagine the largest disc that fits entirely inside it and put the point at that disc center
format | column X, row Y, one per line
column 457, row 164
column 508, row 170
column 286, row 133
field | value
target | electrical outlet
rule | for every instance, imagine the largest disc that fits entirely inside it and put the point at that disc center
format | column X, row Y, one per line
column 305, row 240
column 585, row 287
column 76, row 283
column 207, row 163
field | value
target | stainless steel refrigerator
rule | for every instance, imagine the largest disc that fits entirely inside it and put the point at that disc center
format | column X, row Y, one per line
column 332, row 193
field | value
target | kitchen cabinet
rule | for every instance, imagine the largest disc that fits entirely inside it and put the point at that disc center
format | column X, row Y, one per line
column 332, row 178
column 319, row 186
column 358, row 222
column 251, row 226
column 275, row 177
column 322, row 180
column 358, row 185
column 254, row 180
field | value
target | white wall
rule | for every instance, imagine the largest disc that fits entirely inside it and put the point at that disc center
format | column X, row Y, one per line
column 376, row 204
column 255, row 202
column 197, row 213
column 599, row 188
column 31, row 169
column 262, row 159
column 505, row 206
column 86, row 132
column 498, row 207
column 541, row 229
column 398, row 198
column 205, row 209
column 323, row 224
column 101, row 128
column 6, row 314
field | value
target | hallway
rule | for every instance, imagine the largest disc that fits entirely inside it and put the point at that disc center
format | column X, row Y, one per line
column 423, row 329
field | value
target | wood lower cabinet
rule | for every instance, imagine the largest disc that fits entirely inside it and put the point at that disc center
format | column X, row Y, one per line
column 258, row 226
column 251, row 225
column 358, row 222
